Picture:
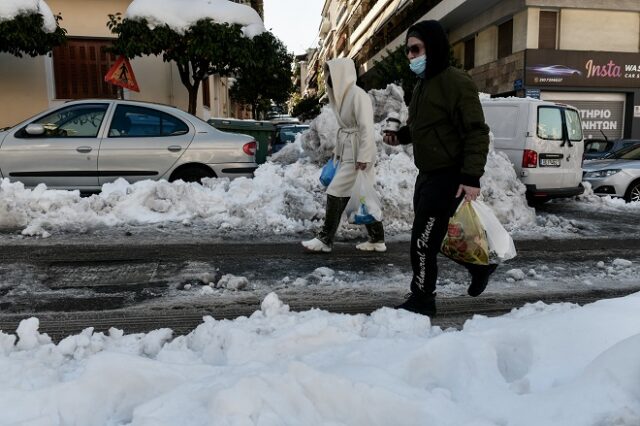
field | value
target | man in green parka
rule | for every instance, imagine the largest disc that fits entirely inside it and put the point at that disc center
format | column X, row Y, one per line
column 450, row 143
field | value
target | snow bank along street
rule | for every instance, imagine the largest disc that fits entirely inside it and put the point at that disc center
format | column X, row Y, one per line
column 552, row 365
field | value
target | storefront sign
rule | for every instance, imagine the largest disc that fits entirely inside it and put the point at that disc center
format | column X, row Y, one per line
column 546, row 67
column 600, row 117
column 532, row 93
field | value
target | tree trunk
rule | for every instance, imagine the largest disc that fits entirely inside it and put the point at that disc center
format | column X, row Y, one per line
column 193, row 97
column 192, row 88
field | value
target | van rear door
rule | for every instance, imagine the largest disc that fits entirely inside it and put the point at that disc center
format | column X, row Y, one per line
column 576, row 142
column 555, row 152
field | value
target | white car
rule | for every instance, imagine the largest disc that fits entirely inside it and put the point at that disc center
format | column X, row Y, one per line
column 618, row 175
column 85, row 144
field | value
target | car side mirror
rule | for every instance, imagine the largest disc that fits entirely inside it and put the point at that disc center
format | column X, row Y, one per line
column 35, row 129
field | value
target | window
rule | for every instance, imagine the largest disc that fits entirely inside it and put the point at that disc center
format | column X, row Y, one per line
column 206, row 92
column 133, row 121
column 79, row 67
column 592, row 147
column 628, row 154
column 78, row 121
column 631, row 154
column 469, row 53
column 500, row 119
column 574, row 127
column 505, row 39
column 548, row 29
column 550, row 123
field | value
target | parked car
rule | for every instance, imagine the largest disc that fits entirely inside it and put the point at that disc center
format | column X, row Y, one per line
column 85, row 144
column 544, row 142
column 286, row 133
column 601, row 148
column 618, row 175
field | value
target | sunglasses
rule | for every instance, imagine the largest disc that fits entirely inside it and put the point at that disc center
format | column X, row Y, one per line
column 414, row 48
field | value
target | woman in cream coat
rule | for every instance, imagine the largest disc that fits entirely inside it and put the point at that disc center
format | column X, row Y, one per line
column 356, row 150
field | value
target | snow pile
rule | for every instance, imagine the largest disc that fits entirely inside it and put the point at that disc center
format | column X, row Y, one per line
column 598, row 201
column 396, row 172
column 538, row 365
column 9, row 9
column 181, row 14
column 278, row 201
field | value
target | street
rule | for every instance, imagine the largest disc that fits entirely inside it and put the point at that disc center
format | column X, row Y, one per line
column 149, row 278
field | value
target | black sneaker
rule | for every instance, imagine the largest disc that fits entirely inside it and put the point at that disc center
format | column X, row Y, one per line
column 480, row 279
column 420, row 304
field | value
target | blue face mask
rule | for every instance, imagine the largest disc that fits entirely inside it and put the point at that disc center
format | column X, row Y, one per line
column 418, row 65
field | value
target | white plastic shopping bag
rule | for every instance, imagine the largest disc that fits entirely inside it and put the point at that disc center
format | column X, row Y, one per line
column 363, row 207
column 501, row 245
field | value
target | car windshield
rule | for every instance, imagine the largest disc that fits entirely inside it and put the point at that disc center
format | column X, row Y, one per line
column 288, row 134
column 631, row 153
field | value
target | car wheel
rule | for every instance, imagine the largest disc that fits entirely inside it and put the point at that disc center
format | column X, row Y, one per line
column 633, row 193
column 193, row 173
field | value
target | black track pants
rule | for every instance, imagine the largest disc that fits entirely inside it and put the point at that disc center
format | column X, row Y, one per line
column 434, row 202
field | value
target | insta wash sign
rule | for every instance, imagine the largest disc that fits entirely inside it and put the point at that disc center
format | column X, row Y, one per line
column 545, row 67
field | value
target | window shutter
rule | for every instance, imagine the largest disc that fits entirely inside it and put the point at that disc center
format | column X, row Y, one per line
column 548, row 30
column 469, row 53
column 505, row 39
column 79, row 68
column 206, row 92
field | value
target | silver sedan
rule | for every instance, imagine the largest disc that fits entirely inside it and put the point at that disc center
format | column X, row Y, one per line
column 618, row 175
column 85, row 144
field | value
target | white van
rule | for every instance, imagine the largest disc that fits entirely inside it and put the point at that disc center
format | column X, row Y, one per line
column 544, row 142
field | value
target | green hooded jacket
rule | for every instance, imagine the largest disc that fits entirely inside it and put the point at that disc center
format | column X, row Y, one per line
column 446, row 124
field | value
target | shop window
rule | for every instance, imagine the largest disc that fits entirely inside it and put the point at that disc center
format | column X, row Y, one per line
column 469, row 53
column 548, row 30
column 505, row 39
column 79, row 68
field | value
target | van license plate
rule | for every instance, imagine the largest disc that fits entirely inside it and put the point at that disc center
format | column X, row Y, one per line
column 549, row 162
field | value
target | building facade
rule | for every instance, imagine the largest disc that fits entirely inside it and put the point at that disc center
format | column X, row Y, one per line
column 585, row 53
column 76, row 70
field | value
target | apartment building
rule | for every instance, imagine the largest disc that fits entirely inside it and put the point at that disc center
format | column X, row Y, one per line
column 585, row 53
column 76, row 70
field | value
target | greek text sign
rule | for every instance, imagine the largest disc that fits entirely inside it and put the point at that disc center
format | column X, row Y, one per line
column 600, row 117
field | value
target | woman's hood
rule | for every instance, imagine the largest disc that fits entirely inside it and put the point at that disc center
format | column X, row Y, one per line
column 343, row 78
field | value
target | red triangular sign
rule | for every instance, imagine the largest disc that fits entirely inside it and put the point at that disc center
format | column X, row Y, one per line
column 121, row 74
